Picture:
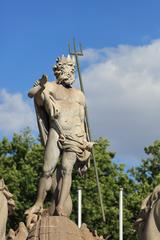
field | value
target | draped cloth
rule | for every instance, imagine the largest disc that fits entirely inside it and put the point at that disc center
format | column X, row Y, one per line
column 75, row 144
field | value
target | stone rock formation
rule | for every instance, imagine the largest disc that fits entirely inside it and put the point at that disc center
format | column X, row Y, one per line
column 60, row 228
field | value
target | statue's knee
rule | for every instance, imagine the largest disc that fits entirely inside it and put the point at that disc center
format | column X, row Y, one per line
column 47, row 174
column 48, row 169
column 67, row 171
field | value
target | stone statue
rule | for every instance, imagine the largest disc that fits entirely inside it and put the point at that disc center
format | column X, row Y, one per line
column 6, row 207
column 148, row 222
column 20, row 234
column 61, row 121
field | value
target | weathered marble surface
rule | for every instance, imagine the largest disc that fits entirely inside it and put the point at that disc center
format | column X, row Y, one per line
column 60, row 228
column 20, row 234
column 148, row 222
column 60, row 110
column 6, row 206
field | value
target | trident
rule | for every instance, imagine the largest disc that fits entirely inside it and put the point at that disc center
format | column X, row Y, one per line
column 76, row 54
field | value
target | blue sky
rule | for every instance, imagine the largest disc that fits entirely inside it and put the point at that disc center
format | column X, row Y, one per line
column 34, row 33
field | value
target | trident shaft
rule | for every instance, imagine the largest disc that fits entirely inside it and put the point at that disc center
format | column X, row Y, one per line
column 76, row 54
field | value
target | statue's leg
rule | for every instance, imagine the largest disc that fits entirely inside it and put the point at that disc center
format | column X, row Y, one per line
column 68, row 161
column 68, row 206
column 55, row 189
column 51, row 157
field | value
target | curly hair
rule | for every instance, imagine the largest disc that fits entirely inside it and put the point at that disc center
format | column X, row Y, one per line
column 60, row 61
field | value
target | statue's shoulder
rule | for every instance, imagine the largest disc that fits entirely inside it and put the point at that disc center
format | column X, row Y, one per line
column 51, row 85
column 78, row 91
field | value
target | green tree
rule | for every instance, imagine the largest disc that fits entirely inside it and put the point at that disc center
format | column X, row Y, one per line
column 21, row 161
column 112, row 177
column 148, row 173
column 20, row 165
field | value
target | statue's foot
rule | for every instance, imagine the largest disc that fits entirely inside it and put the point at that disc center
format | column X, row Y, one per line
column 31, row 220
column 32, row 214
column 36, row 208
column 60, row 211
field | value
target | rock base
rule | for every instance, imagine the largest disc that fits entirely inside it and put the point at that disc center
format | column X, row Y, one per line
column 60, row 228
column 20, row 234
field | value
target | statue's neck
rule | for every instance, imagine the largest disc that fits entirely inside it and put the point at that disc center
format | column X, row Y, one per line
column 66, row 85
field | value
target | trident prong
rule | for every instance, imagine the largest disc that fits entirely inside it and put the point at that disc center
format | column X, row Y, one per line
column 75, row 52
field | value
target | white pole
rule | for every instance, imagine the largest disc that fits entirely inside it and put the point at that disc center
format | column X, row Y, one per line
column 79, row 208
column 121, row 214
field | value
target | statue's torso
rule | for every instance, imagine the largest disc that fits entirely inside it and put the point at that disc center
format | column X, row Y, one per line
column 71, row 103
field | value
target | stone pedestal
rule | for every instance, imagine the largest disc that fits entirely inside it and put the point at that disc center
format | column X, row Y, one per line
column 59, row 228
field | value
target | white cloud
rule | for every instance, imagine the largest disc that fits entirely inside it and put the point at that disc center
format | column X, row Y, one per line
column 15, row 113
column 123, row 94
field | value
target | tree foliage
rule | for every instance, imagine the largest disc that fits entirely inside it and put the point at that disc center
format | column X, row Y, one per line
column 112, row 177
column 21, row 160
column 20, row 165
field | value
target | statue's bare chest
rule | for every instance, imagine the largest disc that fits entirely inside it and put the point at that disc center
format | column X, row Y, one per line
column 63, row 95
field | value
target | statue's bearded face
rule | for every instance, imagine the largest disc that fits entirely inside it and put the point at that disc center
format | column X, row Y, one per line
column 64, row 70
column 66, row 74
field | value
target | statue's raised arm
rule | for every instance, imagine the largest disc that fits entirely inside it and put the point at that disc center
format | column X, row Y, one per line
column 38, row 86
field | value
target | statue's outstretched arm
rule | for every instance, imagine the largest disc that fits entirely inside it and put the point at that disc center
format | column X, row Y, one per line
column 38, row 86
